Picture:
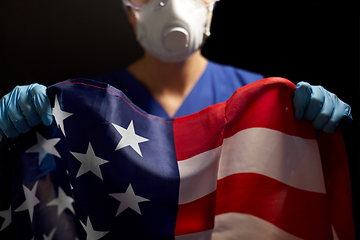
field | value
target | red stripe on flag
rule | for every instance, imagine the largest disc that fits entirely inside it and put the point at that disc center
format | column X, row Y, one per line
column 337, row 182
column 196, row 216
column 298, row 212
column 199, row 132
column 265, row 104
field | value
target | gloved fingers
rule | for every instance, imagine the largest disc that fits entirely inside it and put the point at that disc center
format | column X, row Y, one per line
column 15, row 112
column 28, row 108
column 327, row 110
column 23, row 107
column 347, row 119
column 340, row 116
column 41, row 102
column 6, row 125
column 321, row 107
column 316, row 103
column 301, row 98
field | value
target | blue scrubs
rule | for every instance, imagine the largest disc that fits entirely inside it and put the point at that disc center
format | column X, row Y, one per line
column 217, row 84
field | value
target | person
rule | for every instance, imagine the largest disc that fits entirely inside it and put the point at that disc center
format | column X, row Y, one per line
column 172, row 78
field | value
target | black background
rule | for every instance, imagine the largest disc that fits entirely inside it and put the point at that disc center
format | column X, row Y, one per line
column 47, row 41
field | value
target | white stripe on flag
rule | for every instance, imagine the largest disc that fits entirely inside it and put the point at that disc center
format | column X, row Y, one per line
column 245, row 226
column 205, row 235
column 292, row 160
column 198, row 175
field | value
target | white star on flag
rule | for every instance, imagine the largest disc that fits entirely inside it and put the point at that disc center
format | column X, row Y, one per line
column 51, row 235
column 44, row 146
column 128, row 200
column 89, row 162
column 60, row 115
column 30, row 201
column 91, row 234
column 62, row 202
column 7, row 216
column 129, row 138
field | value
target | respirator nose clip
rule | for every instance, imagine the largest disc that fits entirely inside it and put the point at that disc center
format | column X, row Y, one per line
column 176, row 39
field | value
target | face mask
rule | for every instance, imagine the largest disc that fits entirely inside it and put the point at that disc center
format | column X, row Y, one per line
column 172, row 30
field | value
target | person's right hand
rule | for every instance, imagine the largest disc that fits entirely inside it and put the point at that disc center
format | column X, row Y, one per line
column 22, row 108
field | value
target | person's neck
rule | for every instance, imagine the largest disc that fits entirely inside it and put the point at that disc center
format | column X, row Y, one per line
column 169, row 83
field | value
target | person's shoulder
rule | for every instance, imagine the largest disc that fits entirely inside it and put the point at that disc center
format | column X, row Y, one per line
column 234, row 73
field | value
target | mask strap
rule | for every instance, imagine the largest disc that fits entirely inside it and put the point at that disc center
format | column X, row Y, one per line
column 207, row 27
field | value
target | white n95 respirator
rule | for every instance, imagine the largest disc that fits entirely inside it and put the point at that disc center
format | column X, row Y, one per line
column 172, row 30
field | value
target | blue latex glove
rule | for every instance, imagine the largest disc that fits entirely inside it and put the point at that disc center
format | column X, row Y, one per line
column 323, row 108
column 22, row 108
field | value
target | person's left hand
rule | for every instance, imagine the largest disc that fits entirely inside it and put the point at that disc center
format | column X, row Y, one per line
column 323, row 108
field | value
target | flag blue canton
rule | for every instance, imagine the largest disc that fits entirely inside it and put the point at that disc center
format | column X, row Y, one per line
column 129, row 187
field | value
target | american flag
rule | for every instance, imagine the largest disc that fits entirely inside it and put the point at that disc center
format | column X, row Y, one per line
column 242, row 169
